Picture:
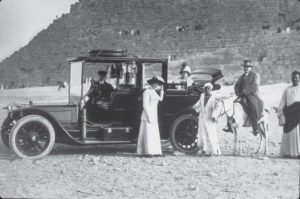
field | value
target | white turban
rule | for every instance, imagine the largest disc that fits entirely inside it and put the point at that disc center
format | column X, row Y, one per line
column 208, row 84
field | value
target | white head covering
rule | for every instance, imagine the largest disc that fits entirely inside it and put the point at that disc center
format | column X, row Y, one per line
column 187, row 69
column 208, row 84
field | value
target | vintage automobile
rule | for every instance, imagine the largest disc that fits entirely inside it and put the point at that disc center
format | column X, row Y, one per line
column 30, row 130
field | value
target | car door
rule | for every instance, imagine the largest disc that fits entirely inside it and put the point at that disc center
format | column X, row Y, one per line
column 124, row 98
column 148, row 68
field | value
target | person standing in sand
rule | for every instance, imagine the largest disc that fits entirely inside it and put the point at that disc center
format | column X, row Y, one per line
column 149, row 137
column 207, row 128
column 289, row 110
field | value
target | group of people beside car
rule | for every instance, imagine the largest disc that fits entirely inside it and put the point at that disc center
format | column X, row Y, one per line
column 247, row 91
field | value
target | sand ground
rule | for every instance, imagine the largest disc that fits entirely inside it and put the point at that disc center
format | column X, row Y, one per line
column 116, row 172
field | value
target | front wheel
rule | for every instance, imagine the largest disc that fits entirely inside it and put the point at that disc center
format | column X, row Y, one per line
column 32, row 137
column 183, row 134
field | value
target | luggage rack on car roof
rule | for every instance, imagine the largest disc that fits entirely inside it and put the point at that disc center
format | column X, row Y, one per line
column 108, row 53
column 104, row 54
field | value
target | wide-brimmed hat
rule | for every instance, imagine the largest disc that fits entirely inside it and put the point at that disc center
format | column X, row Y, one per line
column 187, row 69
column 247, row 63
column 156, row 79
column 102, row 72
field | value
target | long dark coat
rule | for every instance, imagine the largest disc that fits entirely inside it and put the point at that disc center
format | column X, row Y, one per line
column 247, row 88
column 100, row 93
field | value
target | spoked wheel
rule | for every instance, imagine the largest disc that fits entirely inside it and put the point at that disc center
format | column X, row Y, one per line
column 32, row 137
column 183, row 135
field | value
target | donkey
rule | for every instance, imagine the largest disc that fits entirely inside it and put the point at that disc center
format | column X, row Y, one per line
column 236, row 118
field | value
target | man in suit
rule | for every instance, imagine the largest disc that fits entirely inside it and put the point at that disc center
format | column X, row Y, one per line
column 246, row 88
column 99, row 97
column 100, row 90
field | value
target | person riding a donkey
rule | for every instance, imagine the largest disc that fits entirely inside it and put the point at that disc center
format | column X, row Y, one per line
column 247, row 90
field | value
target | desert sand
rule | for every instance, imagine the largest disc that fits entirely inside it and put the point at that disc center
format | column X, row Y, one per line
column 116, row 172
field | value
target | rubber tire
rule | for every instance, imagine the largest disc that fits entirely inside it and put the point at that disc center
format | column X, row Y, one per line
column 19, row 124
column 173, row 130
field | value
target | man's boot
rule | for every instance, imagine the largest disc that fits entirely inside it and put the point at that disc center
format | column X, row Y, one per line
column 228, row 128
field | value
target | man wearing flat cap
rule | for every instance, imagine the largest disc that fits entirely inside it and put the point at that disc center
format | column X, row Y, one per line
column 246, row 88
column 99, row 93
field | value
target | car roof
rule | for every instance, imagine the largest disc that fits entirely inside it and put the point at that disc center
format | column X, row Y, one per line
column 214, row 72
column 113, row 59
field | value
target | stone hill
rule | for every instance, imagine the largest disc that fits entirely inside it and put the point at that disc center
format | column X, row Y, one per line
column 205, row 33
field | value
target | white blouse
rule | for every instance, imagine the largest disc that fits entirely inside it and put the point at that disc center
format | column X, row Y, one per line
column 290, row 95
column 150, row 101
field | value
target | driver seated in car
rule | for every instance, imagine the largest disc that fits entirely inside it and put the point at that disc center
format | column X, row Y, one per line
column 185, row 76
column 99, row 95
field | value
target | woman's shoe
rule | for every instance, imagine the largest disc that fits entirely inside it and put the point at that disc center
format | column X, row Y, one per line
column 160, row 155
column 146, row 156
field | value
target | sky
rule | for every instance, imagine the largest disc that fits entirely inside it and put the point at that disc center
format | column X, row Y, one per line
column 21, row 20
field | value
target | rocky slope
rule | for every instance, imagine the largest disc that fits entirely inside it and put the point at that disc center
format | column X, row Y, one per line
column 214, row 33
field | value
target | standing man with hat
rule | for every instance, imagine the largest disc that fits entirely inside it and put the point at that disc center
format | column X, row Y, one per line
column 99, row 94
column 246, row 88
column 185, row 73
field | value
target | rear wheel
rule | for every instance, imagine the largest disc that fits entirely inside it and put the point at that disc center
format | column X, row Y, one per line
column 183, row 133
column 32, row 137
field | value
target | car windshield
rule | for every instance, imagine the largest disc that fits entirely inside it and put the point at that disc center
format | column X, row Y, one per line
column 121, row 75
column 118, row 74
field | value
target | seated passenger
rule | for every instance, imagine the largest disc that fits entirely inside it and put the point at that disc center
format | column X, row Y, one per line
column 99, row 97
column 185, row 77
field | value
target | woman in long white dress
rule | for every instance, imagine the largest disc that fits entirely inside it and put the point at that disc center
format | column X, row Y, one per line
column 149, row 137
column 207, row 128
column 290, row 145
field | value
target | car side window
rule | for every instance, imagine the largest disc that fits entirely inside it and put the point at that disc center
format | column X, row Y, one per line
column 128, row 77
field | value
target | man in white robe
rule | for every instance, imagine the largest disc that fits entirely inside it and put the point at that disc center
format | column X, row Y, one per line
column 290, row 145
column 207, row 128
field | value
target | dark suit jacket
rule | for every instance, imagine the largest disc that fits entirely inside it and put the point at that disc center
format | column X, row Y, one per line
column 247, row 85
column 247, row 88
column 102, row 91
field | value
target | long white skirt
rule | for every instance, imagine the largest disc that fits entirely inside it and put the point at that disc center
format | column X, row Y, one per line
column 149, row 139
column 290, row 144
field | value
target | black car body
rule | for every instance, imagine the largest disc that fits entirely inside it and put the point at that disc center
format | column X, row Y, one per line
column 31, row 130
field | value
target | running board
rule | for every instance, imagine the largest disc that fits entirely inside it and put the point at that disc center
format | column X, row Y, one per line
column 87, row 141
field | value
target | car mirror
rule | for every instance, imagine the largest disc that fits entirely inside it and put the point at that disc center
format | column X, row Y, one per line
column 217, row 87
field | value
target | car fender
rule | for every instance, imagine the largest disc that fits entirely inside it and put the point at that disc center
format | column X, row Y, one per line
column 61, row 134
column 188, row 110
